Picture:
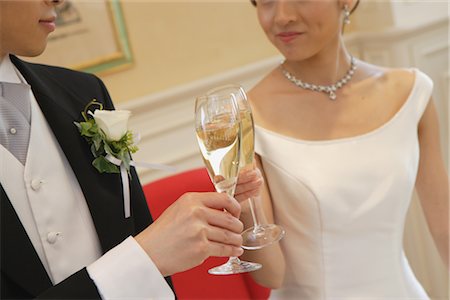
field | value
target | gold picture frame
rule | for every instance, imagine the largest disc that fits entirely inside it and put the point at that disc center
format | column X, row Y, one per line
column 90, row 36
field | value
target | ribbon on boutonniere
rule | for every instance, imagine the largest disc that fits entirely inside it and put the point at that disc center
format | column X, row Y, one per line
column 112, row 144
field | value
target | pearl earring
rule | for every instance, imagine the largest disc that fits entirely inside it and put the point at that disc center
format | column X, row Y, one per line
column 346, row 15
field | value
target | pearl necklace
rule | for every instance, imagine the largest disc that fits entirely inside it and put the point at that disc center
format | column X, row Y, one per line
column 328, row 89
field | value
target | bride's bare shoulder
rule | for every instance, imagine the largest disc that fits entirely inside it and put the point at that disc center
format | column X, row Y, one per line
column 388, row 78
column 390, row 87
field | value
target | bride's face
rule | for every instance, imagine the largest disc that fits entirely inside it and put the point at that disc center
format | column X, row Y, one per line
column 301, row 28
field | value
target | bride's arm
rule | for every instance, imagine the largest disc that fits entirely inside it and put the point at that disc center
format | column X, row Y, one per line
column 254, row 184
column 432, row 182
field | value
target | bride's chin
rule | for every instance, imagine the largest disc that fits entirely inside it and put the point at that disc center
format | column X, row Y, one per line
column 295, row 57
column 295, row 54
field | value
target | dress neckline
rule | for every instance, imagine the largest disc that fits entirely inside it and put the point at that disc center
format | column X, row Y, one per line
column 355, row 137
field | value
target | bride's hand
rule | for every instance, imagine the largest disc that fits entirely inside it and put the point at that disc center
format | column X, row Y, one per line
column 250, row 183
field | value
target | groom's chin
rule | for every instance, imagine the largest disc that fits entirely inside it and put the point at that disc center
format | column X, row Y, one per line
column 31, row 51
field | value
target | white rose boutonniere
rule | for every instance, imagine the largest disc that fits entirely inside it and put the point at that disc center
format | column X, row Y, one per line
column 107, row 133
column 112, row 144
column 113, row 123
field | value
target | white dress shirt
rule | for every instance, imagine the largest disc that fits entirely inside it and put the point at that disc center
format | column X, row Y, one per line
column 51, row 206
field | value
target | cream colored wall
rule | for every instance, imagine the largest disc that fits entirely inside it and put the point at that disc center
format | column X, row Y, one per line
column 419, row 11
column 176, row 42
column 372, row 15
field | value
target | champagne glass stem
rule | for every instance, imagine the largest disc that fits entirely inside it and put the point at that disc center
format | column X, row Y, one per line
column 260, row 235
column 256, row 225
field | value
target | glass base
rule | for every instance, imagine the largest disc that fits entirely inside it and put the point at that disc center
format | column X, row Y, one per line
column 235, row 266
column 261, row 236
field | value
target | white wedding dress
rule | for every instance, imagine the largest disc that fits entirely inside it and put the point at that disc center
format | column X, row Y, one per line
column 343, row 204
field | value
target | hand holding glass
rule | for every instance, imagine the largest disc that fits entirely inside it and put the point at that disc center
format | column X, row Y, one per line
column 260, row 235
column 218, row 130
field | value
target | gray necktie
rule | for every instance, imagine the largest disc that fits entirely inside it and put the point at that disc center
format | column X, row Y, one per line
column 15, row 118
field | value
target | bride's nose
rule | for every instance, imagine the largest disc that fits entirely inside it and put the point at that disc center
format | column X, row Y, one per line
column 284, row 12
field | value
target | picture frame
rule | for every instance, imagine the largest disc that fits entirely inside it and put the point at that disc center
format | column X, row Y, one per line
column 90, row 37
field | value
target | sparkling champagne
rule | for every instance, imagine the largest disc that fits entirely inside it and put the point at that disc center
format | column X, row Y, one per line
column 220, row 147
column 247, row 139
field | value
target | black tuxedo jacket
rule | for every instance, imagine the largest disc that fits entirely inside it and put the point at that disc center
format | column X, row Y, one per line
column 62, row 94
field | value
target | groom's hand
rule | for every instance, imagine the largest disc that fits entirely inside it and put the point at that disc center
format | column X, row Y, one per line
column 192, row 229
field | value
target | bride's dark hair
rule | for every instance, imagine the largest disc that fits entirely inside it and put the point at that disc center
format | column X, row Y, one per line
column 356, row 5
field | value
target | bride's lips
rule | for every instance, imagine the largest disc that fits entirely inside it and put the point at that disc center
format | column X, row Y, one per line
column 288, row 36
column 48, row 23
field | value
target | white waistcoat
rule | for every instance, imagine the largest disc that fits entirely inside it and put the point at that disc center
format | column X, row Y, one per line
column 49, row 202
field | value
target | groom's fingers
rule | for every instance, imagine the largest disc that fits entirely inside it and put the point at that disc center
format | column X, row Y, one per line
column 223, row 236
column 222, row 250
column 222, row 201
column 224, row 220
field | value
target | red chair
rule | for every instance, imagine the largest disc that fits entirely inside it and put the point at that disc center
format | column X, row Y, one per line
column 197, row 283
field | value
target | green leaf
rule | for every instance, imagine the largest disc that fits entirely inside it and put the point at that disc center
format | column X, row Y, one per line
column 104, row 166
column 86, row 129
column 97, row 141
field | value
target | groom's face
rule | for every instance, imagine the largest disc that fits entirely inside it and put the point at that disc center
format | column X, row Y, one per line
column 25, row 26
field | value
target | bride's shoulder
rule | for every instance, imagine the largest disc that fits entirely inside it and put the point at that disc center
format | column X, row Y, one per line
column 388, row 79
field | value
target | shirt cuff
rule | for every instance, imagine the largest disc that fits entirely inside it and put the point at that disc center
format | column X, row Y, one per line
column 127, row 272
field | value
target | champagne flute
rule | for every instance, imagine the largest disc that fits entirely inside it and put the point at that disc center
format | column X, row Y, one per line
column 260, row 235
column 218, row 131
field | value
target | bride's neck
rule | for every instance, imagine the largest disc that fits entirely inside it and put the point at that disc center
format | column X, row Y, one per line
column 321, row 69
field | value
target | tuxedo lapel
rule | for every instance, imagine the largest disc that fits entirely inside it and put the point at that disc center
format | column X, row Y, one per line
column 61, row 107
